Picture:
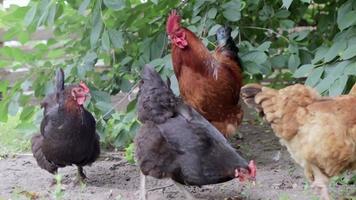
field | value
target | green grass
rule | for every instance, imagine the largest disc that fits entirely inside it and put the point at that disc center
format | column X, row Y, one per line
column 15, row 136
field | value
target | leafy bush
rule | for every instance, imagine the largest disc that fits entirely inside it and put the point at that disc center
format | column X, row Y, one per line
column 106, row 42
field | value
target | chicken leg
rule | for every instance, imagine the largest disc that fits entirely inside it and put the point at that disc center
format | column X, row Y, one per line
column 320, row 183
column 143, row 193
column 80, row 176
column 81, row 173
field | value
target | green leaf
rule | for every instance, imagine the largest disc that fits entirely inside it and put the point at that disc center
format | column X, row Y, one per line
column 212, row 13
column 305, row 1
column 4, row 111
column 83, row 6
column 105, row 41
column 116, row 38
column 115, row 4
column 343, row 10
column 130, row 153
column 174, row 85
column 279, row 61
column 286, row 23
column 13, row 107
column 254, row 68
column 23, row 36
column 335, row 50
column 27, row 113
column 258, row 57
column 282, row 14
column 334, row 71
column 302, row 35
column 44, row 7
column 100, row 96
column 303, row 71
column 233, row 4
column 232, row 10
column 287, row 3
column 51, row 14
column 213, row 29
column 349, row 52
column 320, row 53
column 347, row 20
column 195, row 19
column 97, row 25
column 105, row 107
column 155, row 1
column 264, row 46
column 314, row 77
column 232, row 15
column 30, row 15
column 350, row 69
column 293, row 62
column 125, row 85
column 131, row 106
column 56, row 53
column 339, row 68
column 338, row 86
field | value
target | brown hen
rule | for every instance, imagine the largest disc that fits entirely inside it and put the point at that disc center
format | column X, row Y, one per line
column 319, row 132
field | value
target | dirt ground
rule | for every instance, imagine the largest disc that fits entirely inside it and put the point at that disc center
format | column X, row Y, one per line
column 113, row 178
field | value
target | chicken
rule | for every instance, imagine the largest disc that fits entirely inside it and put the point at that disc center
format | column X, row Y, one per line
column 209, row 82
column 319, row 132
column 176, row 142
column 68, row 134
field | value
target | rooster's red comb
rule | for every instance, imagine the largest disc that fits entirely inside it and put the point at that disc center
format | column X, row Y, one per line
column 172, row 21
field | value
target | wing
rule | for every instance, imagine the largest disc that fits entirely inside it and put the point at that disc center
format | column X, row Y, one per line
column 205, row 156
column 154, row 155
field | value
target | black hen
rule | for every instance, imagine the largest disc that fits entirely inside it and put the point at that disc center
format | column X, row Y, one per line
column 68, row 133
column 176, row 142
column 227, row 44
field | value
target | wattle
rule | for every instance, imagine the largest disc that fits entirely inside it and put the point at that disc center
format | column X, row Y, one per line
column 80, row 100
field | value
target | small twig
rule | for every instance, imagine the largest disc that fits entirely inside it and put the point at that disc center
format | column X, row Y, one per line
column 119, row 102
column 203, row 27
column 160, row 188
column 267, row 29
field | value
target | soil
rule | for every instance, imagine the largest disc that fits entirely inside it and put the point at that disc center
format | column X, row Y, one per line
column 111, row 177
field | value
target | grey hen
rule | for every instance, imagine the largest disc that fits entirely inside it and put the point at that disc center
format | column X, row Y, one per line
column 176, row 142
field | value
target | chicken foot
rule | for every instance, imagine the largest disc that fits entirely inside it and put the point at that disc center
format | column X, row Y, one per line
column 80, row 176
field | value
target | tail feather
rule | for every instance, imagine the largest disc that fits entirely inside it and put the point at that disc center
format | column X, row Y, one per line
column 248, row 93
column 280, row 107
column 36, row 142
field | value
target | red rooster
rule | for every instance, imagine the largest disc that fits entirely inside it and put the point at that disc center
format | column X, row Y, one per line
column 209, row 82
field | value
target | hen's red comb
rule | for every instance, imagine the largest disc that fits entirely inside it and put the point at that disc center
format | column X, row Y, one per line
column 84, row 87
column 172, row 21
